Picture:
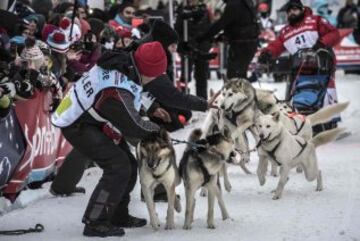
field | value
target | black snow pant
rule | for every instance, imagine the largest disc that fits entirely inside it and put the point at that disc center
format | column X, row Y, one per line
column 239, row 57
column 111, row 196
column 70, row 172
column 201, row 70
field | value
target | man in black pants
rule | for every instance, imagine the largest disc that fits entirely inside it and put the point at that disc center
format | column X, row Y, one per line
column 108, row 97
column 196, row 25
column 241, row 30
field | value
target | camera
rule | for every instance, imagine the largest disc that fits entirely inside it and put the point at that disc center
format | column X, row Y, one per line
column 193, row 13
column 86, row 45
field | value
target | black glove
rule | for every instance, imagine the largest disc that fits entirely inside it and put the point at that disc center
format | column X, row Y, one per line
column 318, row 45
column 265, row 57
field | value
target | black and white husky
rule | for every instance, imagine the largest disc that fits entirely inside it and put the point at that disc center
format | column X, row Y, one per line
column 200, row 166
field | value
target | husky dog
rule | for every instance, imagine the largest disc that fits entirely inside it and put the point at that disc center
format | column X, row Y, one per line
column 200, row 166
column 289, row 151
column 239, row 106
column 301, row 125
column 157, row 164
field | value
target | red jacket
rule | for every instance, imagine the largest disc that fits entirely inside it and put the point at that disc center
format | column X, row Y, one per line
column 304, row 35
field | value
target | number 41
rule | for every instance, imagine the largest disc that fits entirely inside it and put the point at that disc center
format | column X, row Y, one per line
column 300, row 39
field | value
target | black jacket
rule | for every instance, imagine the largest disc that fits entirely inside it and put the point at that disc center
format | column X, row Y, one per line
column 117, row 105
column 239, row 22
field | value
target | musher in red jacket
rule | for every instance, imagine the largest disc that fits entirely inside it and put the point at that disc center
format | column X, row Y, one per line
column 304, row 31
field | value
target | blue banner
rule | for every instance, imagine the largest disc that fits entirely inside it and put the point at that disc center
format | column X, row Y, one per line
column 12, row 146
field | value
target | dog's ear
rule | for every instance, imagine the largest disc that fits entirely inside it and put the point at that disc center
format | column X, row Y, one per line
column 277, row 100
column 164, row 135
column 215, row 129
column 276, row 116
column 138, row 151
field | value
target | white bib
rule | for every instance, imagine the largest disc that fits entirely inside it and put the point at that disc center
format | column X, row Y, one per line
column 81, row 95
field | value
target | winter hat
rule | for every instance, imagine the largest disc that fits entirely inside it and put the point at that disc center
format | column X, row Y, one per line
column 32, row 53
column 150, row 59
column 263, row 7
column 65, row 25
column 58, row 41
column 96, row 25
column 292, row 4
column 47, row 30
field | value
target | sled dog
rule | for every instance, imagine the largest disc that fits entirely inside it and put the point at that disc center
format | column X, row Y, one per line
column 289, row 151
column 200, row 166
column 157, row 164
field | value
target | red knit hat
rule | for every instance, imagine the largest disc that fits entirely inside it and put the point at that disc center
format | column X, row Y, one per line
column 151, row 59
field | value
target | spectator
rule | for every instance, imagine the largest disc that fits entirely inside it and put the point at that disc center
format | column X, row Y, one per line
column 348, row 15
column 124, row 17
column 241, row 31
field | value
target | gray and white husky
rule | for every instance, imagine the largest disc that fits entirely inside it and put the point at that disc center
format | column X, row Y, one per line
column 200, row 166
column 289, row 151
column 157, row 164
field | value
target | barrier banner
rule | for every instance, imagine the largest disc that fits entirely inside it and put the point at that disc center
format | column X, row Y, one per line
column 45, row 148
column 12, row 147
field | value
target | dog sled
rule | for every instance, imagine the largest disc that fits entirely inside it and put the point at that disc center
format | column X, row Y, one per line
column 311, row 85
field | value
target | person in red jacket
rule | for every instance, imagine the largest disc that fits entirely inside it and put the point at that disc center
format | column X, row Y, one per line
column 304, row 31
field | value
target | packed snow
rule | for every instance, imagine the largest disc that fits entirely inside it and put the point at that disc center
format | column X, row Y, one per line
column 301, row 214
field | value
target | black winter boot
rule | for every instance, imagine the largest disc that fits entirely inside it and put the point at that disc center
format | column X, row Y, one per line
column 102, row 230
column 130, row 222
column 65, row 194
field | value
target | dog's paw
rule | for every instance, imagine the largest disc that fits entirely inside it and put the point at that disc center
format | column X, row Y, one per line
column 227, row 186
column 319, row 189
column 226, row 217
column 211, row 226
column 170, row 226
column 277, row 195
column 155, row 226
column 187, row 226
column 262, row 180
column 299, row 169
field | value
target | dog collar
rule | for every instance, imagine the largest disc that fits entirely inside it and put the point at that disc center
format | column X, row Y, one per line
column 159, row 176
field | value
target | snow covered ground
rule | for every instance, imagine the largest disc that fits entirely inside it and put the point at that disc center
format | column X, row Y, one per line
column 301, row 214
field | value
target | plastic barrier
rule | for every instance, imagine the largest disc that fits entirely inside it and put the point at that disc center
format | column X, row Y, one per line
column 45, row 147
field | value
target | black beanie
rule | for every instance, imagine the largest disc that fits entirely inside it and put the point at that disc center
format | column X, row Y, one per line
column 163, row 33
column 291, row 4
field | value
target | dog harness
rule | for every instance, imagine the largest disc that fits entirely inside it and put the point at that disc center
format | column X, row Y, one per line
column 204, row 171
column 271, row 153
column 292, row 116
column 159, row 176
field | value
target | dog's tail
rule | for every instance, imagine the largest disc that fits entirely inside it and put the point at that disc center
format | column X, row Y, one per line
column 325, row 114
column 326, row 136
